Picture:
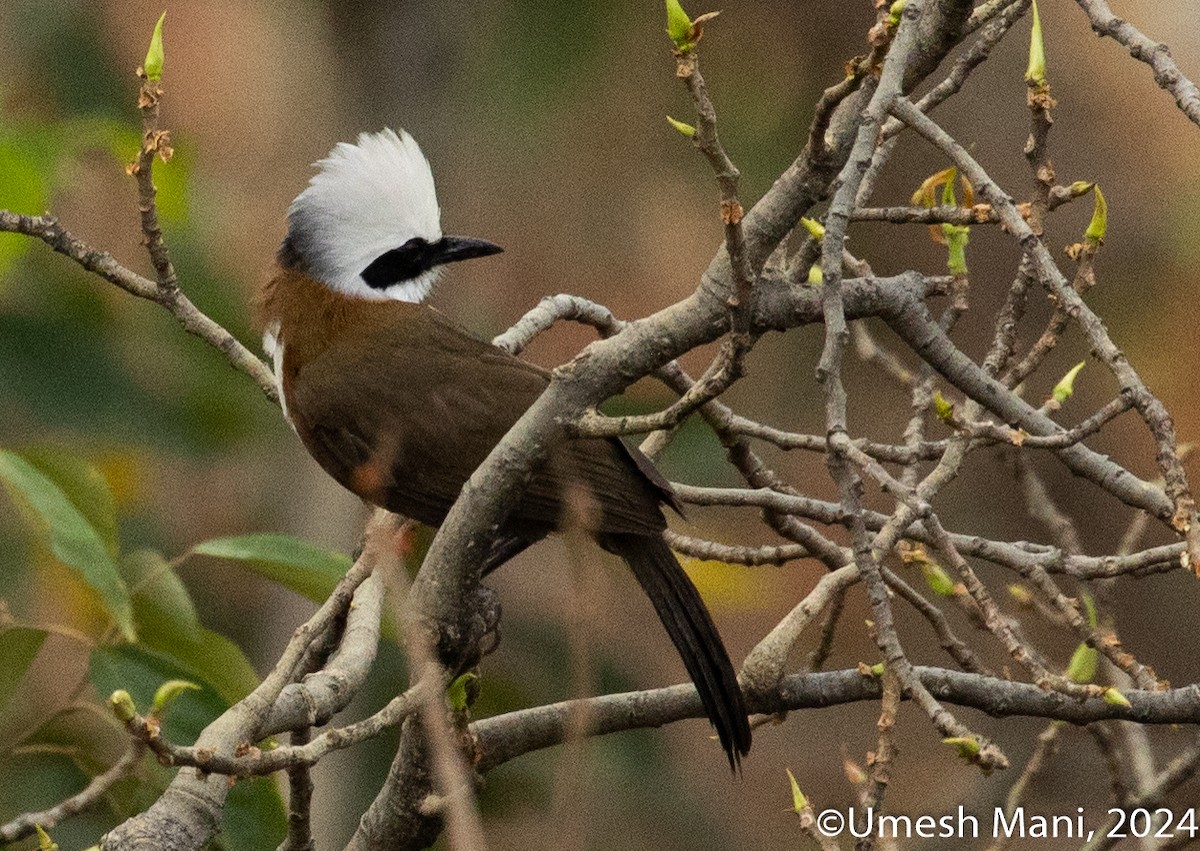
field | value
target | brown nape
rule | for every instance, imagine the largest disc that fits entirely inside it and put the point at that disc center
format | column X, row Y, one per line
column 311, row 314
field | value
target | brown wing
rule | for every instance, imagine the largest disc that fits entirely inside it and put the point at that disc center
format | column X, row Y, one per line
column 403, row 414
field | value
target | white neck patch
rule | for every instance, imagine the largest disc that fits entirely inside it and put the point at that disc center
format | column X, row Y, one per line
column 364, row 200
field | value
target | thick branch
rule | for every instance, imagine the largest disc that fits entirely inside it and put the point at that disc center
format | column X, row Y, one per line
column 507, row 736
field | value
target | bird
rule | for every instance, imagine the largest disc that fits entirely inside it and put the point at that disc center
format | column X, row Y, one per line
column 400, row 405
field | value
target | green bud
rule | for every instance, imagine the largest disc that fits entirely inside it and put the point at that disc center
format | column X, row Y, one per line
column 683, row 127
column 1114, row 697
column 153, row 66
column 1065, row 388
column 1098, row 226
column 942, row 407
column 815, row 229
column 799, row 801
column 1089, row 608
column 1021, row 594
column 679, row 26
column 1082, row 668
column 877, row 669
column 168, row 692
column 1036, row 73
column 967, row 746
column 957, row 237
column 937, row 579
column 1080, row 187
column 456, row 692
column 45, row 843
column 895, row 11
column 122, row 705
column 815, row 276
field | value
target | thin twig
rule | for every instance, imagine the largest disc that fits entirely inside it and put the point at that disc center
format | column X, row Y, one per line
column 26, row 824
column 194, row 321
column 1154, row 413
column 1166, row 73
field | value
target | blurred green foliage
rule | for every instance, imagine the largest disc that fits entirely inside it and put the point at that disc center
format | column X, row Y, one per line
column 55, row 734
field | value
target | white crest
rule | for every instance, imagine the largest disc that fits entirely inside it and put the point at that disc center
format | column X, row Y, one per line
column 366, row 199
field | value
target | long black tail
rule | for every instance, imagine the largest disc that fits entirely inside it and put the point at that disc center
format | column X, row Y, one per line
column 694, row 634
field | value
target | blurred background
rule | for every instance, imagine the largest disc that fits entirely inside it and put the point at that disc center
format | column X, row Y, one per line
column 544, row 123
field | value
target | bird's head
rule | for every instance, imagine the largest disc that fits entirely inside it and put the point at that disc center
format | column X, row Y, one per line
column 367, row 225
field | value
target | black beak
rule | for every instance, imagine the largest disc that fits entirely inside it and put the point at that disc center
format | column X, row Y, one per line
column 451, row 249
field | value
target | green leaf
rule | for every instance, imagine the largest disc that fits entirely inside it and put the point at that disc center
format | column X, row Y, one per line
column 1065, row 388
column 1036, row 72
column 815, row 229
column 140, row 672
column 799, row 801
column 1089, row 608
column 679, row 26
column 937, row 579
column 208, row 657
column 153, row 65
column 1114, row 697
column 1021, row 594
column 35, row 781
column 161, row 603
column 942, row 407
column 19, row 646
column 168, row 692
column 456, row 692
column 255, row 816
column 957, row 237
column 71, row 537
column 305, row 568
column 91, row 738
column 926, row 194
column 966, row 746
column 1098, row 226
column 682, row 126
column 84, row 485
column 45, row 843
column 167, row 622
column 949, row 199
column 1082, row 668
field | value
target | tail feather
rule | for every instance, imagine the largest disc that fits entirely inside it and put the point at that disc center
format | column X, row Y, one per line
column 694, row 634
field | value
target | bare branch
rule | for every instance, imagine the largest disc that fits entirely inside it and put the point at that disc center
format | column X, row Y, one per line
column 26, row 824
column 1156, row 55
column 504, row 737
column 193, row 320
column 187, row 814
column 1158, row 420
